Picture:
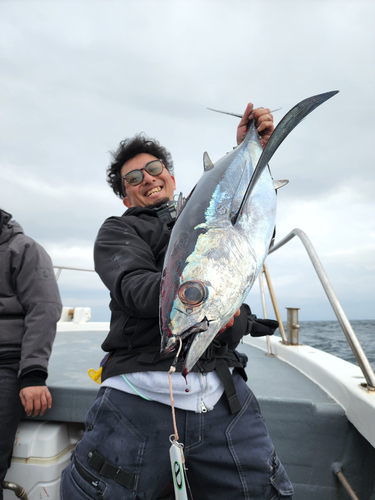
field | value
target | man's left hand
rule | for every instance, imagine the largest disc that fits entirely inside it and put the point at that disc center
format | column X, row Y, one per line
column 36, row 400
column 263, row 122
column 230, row 322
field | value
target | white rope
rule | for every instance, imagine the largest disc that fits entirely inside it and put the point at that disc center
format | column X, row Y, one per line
column 172, row 369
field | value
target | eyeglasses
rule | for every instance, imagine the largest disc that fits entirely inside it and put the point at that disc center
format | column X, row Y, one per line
column 135, row 177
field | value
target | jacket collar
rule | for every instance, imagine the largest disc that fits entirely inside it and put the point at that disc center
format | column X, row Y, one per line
column 140, row 210
column 8, row 227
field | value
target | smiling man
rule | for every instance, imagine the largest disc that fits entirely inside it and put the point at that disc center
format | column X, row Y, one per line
column 124, row 453
column 148, row 182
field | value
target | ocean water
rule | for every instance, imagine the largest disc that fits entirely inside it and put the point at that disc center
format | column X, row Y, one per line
column 328, row 336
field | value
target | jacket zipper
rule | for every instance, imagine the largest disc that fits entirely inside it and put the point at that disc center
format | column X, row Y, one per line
column 203, row 406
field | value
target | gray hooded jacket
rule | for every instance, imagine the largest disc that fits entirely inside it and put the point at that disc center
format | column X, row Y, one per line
column 30, row 303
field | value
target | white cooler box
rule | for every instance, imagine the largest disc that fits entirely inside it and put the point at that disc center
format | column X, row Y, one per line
column 41, row 451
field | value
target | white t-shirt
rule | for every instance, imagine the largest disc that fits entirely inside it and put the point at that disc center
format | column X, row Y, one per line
column 199, row 392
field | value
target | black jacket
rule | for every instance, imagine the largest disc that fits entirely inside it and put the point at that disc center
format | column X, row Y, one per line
column 129, row 254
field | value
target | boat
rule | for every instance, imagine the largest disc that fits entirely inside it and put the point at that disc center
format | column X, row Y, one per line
column 319, row 409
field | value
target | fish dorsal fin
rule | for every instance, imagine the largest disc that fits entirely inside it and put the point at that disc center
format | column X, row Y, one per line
column 207, row 162
column 286, row 125
column 280, row 184
column 181, row 201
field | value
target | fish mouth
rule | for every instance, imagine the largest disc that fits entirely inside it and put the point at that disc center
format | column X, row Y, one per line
column 171, row 343
column 197, row 346
column 196, row 340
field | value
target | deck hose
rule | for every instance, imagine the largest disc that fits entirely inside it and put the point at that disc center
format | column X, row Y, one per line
column 16, row 488
column 336, row 468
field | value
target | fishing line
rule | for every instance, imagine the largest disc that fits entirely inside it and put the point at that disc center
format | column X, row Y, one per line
column 176, row 453
column 172, row 369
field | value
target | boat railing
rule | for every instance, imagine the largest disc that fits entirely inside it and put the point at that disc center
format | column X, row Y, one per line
column 346, row 327
column 61, row 268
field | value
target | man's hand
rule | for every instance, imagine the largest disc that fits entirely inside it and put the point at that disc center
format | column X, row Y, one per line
column 230, row 322
column 263, row 122
column 36, row 400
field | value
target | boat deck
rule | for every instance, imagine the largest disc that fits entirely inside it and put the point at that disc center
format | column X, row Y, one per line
column 73, row 391
column 309, row 428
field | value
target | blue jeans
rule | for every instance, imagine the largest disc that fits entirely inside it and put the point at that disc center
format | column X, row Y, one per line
column 229, row 456
column 11, row 411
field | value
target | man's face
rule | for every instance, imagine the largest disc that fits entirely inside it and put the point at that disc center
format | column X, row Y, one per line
column 153, row 189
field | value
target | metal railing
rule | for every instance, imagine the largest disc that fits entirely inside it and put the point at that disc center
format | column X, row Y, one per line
column 346, row 327
column 60, row 270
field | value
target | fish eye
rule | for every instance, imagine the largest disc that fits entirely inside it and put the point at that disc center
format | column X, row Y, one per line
column 193, row 293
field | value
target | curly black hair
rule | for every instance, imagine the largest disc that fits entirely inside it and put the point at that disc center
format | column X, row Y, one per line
column 128, row 149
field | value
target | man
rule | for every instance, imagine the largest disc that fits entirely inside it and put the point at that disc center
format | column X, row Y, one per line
column 30, row 307
column 125, row 450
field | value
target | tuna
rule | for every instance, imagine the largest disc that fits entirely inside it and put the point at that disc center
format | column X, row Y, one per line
column 221, row 239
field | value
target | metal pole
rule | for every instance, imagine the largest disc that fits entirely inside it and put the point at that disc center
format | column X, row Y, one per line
column 346, row 327
column 336, row 469
column 274, row 303
column 75, row 269
column 263, row 298
column 60, row 268
column 292, row 326
column 262, row 294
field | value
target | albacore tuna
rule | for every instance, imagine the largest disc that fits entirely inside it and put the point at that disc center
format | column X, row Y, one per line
column 220, row 240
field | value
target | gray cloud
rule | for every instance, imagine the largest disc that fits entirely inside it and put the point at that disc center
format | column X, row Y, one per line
column 78, row 77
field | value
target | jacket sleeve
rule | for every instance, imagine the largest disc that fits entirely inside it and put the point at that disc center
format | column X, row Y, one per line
column 127, row 267
column 35, row 284
column 247, row 323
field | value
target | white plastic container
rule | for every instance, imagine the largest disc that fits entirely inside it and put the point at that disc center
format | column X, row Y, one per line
column 41, row 451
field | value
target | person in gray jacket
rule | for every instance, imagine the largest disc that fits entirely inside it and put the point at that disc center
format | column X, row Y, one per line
column 30, row 307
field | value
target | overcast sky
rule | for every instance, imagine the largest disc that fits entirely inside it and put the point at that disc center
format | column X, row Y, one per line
column 77, row 77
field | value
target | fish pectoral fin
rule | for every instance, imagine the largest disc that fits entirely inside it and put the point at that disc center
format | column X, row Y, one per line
column 207, row 162
column 280, row 184
column 228, row 113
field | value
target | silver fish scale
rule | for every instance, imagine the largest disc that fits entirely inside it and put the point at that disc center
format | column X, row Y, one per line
column 222, row 237
column 225, row 258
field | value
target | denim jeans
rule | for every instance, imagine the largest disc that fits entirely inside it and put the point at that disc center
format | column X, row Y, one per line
column 229, row 456
column 11, row 410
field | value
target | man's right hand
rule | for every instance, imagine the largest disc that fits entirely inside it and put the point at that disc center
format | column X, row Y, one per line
column 36, row 400
column 263, row 120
